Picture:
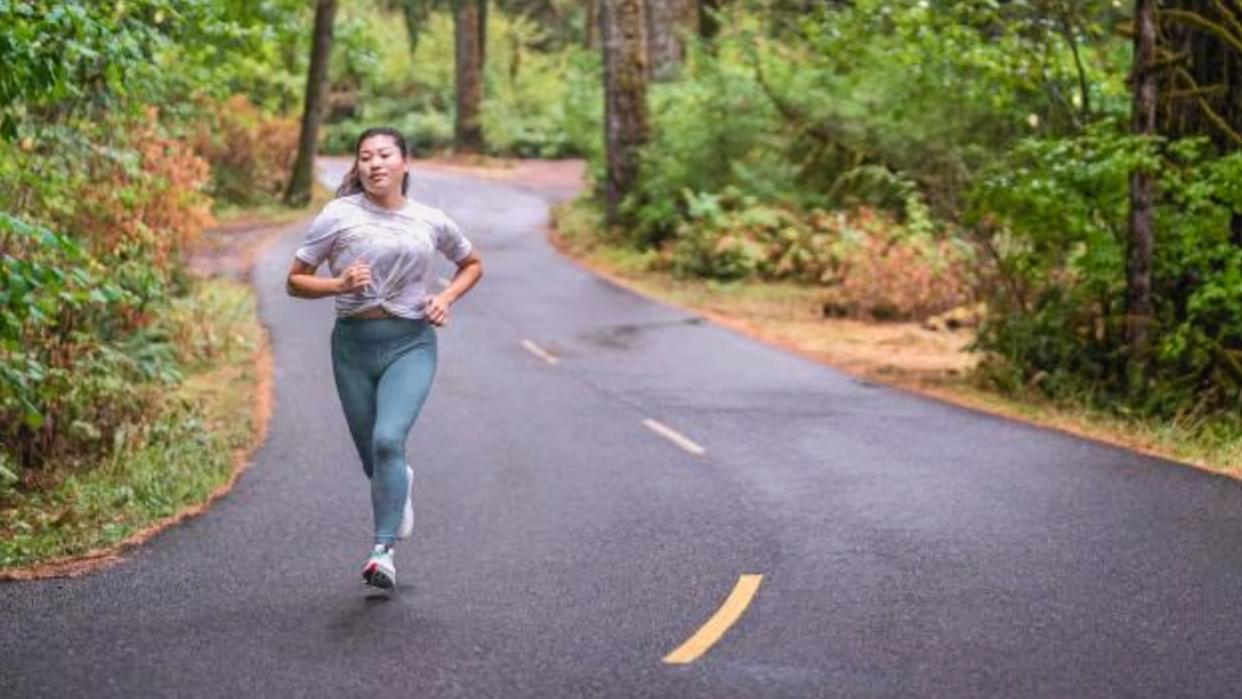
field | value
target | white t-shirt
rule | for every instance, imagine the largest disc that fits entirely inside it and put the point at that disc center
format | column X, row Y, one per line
column 398, row 244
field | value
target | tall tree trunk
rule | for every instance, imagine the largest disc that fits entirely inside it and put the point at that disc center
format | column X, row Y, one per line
column 468, row 129
column 482, row 36
column 1202, row 92
column 666, row 21
column 590, row 25
column 415, row 13
column 299, row 191
column 625, row 98
column 709, row 26
column 1142, row 196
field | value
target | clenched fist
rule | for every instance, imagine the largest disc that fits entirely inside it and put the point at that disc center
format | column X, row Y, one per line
column 436, row 310
column 354, row 277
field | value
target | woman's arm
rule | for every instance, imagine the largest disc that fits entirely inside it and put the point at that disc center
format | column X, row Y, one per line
column 469, row 271
column 303, row 283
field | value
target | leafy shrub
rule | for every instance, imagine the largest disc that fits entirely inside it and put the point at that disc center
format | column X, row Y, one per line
column 82, row 359
column 74, row 362
column 250, row 153
column 425, row 132
column 1054, row 218
column 873, row 266
column 537, row 103
column 711, row 131
column 133, row 191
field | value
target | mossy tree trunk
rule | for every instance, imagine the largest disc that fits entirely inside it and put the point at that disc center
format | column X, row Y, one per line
column 1201, row 89
column 1142, row 196
column 626, row 126
column 667, row 22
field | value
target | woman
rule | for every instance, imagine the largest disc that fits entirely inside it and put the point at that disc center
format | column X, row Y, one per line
column 379, row 247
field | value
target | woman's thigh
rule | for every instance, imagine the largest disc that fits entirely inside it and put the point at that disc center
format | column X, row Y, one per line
column 403, row 389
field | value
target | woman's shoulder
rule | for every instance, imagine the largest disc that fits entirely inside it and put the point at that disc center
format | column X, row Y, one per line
column 342, row 205
column 425, row 212
column 339, row 212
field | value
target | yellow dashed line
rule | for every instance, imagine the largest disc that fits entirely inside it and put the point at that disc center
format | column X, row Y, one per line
column 710, row 633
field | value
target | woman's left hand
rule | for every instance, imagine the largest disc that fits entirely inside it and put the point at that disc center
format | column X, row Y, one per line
column 436, row 310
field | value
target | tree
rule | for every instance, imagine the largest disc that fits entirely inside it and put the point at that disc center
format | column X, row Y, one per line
column 626, row 127
column 415, row 14
column 590, row 24
column 1142, row 194
column 468, row 128
column 666, row 20
column 299, row 190
column 1202, row 86
column 709, row 22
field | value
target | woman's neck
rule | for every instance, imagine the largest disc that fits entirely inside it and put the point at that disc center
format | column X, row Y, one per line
column 389, row 200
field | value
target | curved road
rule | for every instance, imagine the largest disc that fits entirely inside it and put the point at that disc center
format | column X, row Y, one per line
column 563, row 546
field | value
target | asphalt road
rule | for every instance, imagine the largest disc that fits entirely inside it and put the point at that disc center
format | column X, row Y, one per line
column 563, row 547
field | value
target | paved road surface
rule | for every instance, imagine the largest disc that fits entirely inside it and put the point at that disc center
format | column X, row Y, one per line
column 562, row 547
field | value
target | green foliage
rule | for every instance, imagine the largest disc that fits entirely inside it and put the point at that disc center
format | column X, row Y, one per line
column 537, row 103
column 535, row 100
column 1053, row 217
column 887, row 105
column 176, row 456
column 251, row 153
column 65, row 60
column 872, row 265
column 72, row 349
column 99, row 193
column 714, row 130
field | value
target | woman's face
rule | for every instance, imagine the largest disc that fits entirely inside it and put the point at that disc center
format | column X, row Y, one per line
column 381, row 167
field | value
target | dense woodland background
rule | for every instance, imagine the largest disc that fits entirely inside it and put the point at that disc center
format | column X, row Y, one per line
column 1072, row 169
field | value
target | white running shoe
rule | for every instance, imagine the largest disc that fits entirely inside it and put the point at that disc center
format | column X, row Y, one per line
column 407, row 516
column 380, row 571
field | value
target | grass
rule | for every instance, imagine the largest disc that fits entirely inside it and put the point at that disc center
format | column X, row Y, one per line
column 905, row 355
column 273, row 212
column 187, row 452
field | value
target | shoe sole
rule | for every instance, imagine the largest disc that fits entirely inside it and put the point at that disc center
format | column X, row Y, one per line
column 377, row 578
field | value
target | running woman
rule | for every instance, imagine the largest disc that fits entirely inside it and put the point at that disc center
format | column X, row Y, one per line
column 379, row 247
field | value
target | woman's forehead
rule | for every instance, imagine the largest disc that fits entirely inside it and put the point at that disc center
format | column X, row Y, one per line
column 377, row 142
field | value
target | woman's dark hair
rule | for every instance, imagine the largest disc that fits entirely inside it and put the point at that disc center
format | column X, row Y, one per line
column 352, row 184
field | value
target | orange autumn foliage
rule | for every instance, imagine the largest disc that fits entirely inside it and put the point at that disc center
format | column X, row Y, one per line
column 158, row 206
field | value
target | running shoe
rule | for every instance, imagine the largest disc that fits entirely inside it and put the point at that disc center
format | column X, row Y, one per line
column 379, row 570
column 407, row 515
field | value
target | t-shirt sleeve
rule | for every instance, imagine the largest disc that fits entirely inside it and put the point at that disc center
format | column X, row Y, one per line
column 317, row 244
column 450, row 241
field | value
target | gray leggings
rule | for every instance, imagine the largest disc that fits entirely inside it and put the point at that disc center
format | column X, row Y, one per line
column 383, row 369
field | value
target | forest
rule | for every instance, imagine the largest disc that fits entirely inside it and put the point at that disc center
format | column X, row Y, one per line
column 1070, row 171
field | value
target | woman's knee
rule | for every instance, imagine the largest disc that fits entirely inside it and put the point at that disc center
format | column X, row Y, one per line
column 387, row 446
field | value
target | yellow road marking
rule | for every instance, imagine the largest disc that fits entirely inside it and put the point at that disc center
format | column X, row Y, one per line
column 673, row 436
column 539, row 352
column 729, row 612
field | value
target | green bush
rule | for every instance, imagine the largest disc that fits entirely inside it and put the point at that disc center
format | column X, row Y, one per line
column 425, row 132
column 1053, row 217
column 870, row 265
column 537, row 103
column 73, row 351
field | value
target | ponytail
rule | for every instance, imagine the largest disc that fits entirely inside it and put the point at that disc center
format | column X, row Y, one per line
column 352, row 183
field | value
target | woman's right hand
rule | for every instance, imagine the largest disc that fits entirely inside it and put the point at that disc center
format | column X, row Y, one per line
column 354, row 277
